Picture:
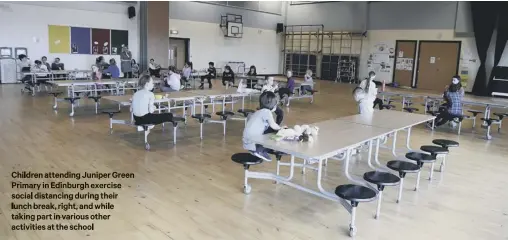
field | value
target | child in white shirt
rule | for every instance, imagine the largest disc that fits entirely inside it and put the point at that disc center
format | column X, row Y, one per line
column 365, row 94
column 172, row 82
column 307, row 84
column 270, row 86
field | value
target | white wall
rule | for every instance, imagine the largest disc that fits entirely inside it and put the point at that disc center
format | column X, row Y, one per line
column 258, row 47
column 22, row 22
column 468, row 48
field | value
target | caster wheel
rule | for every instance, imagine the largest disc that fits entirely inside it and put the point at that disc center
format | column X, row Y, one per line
column 247, row 189
column 352, row 231
column 147, row 146
column 71, row 114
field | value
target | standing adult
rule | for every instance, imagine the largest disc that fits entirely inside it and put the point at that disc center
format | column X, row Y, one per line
column 126, row 58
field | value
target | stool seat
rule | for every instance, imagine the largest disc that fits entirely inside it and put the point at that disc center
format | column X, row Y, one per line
column 72, row 98
column 55, row 93
column 110, row 111
column 475, row 112
column 410, row 109
column 489, row 120
column 445, row 143
column 421, row 157
column 225, row 113
column 245, row 112
column 381, row 178
column 94, row 97
column 273, row 152
column 388, row 106
column 355, row 193
column 434, row 149
column 500, row 115
column 246, row 159
column 201, row 116
column 403, row 166
column 178, row 119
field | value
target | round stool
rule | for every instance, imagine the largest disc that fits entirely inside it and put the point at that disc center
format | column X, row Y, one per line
column 355, row 194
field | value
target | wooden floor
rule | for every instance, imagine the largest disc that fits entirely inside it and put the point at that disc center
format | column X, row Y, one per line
column 193, row 190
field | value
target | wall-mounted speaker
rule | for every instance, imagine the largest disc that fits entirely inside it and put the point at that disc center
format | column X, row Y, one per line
column 280, row 27
column 131, row 11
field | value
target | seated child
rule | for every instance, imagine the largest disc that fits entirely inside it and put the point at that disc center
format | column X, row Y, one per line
column 228, row 76
column 270, row 86
column 285, row 92
column 42, row 72
column 258, row 123
column 172, row 81
column 453, row 96
column 307, row 83
column 211, row 73
column 242, row 88
column 112, row 71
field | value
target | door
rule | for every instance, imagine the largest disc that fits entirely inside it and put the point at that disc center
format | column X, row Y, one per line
column 180, row 52
column 405, row 54
column 438, row 62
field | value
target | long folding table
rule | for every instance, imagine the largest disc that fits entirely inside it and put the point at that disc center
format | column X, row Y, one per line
column 336, row 136
column 93, row 88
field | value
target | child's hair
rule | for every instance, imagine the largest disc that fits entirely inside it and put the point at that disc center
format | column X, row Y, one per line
column 358, row 94
column 211, row 64
column 38, row 62
column 309, row 72
column 151, row 59
column 112, row 61
column 99, row 59
column 267, row 100
column 44, row 57
column 172, row 69
column 190, row 65
column 22, row 56
column 372, row 73
column 253, row 68
column 227, row 67
column 454, row 87
column 143, row 80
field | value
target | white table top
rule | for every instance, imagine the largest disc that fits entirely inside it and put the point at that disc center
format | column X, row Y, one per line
column 470, row 100
column 67, row 83
column 394, row 120
column 334, row 137
column 218, row 92
column 171, row 96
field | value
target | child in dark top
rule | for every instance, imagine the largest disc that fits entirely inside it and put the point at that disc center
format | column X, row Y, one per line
column 228, row 76
column 252, row 73
column 212, row 73
column 453, row 107
column 44, row 60
column 288, row 90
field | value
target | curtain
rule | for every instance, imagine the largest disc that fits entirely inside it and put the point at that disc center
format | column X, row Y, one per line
column 484, row 16
column 502, row 38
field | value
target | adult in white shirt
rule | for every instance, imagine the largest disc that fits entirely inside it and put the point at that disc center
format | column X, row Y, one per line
column 171, row 82
column 143, row 107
